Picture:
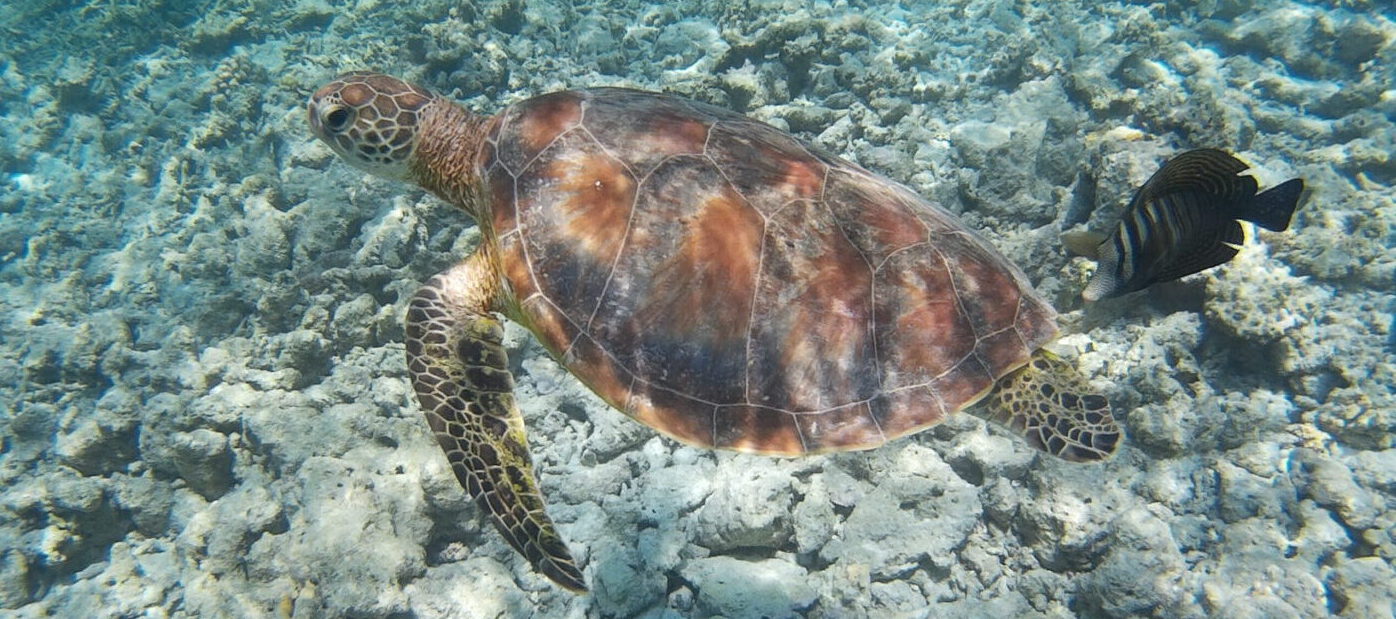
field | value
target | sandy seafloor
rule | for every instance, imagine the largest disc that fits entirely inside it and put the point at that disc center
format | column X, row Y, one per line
column 205, row 404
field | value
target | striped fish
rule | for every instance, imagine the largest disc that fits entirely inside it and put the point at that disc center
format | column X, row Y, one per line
column 1184, row 220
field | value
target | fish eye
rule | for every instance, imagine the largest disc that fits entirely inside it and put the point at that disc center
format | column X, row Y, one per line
column 337, row 119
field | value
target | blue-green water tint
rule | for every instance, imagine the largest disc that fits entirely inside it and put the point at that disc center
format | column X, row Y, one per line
column 207, row 412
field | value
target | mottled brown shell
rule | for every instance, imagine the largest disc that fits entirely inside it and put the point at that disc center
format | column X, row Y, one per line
column 732, row 286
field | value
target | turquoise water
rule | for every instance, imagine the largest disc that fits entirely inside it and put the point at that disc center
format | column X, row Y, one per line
column 207, row 411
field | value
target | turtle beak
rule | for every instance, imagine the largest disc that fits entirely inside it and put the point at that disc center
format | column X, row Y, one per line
column 312, row 111
column 314, row 117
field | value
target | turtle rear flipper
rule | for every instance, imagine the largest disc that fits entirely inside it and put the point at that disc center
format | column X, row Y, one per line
column 460, row 371
column 1052, row 406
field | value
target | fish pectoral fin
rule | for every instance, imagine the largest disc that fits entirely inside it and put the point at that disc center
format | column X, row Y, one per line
column 1083, row 243
column 1274, row 207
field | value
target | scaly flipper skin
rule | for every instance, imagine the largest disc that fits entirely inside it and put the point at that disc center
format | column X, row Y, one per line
column 461, row 374
column 1055, row 409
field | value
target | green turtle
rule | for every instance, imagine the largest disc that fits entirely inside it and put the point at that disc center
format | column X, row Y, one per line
column 709, row 275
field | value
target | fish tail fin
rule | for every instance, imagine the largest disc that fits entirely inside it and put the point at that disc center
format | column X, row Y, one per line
column 1272, row 209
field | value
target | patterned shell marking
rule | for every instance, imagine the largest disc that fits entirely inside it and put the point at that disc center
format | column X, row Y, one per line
column 732, row 286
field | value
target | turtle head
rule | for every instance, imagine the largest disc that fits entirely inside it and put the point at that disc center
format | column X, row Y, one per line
column 371, row 120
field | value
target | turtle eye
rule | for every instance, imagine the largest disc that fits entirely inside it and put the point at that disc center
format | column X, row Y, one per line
column 337, row 119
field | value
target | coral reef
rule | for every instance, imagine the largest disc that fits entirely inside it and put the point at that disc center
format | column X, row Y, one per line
column 207, row 412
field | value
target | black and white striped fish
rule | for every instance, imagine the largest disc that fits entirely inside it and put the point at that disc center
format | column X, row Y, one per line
column 1184, row 220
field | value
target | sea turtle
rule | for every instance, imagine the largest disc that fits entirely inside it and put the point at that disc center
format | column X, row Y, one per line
column 709, row 275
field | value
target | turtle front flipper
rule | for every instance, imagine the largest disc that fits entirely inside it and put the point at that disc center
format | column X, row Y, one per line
column 1052, row 406
column 460, row 371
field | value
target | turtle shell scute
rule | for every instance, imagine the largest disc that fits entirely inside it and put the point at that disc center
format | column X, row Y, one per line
column 733, row 286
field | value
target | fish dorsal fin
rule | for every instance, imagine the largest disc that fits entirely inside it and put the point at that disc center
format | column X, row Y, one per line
column 1205, row 170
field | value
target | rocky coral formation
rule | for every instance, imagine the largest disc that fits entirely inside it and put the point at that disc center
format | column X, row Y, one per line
column 207, row 411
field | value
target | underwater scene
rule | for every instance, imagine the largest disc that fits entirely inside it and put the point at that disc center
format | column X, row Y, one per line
column 519, row 308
